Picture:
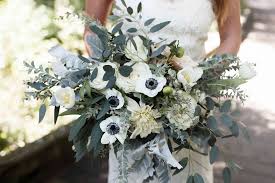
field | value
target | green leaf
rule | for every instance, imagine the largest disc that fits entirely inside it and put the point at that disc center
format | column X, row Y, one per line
column 105, row 108
column 214, row 154
column 160, row 26
column 111, row 83
column 183, row 163
column 132, row 30
column 226, row 175
column 125, row 70
column 123, row 2
column 210, row 103
column 71, row 112
column 117, row 28
column 198, row 178
column 197, row 111
column 139, row 8
column 212, row 123
column 227, row 120
column 76, row 127
column 95, row 138
column 130, row 10
column 149, row 21
column 158, row 51
column 226, row 106
column 84, row 59
column 190, row 179
column 101, row 33
column 56, row 113
column 235, row 129
column 109, row 72
column 95, row 45
column 82, row 92
column 88, row 89
column 94, row 74
column 42, row 112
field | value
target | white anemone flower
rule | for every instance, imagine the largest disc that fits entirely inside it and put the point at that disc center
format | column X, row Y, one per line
column 128, row 84
column 136, row 55
column 98, row 83
column 150, row 85
column 189, row 76
column 65, row 97
column 114, row 98
column 143, row 119
column 247, row 71
column 113, row 130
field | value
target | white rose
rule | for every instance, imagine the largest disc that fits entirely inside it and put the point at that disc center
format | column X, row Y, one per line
column 247, row 71
column 128, row 84
column 98, row 83
column 65, row 97
column 189, row 76
column 136, row 55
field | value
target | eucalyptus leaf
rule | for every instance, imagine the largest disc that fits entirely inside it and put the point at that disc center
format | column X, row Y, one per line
column 212, row 123
column 95, row 45
column 149, row 21
column 235, row 129
column 109, row 72
column 125, row 70
column 123, row 2
column 95, row 137
column 117, row 28
column 111, row 83
column 42, row 112
column 132, row 30
column 104, row 109
column 183, row 163
column 210, row 103
column 227, row 120
column 130, row 10
column 226, row 106
column 158, row 51
column 94, row 74
column 76, row 127
column 226, row 175
column 160, row 26
column 198, row 178
column 86, row 60
column 190, row 179
column 139, row 8
column 214, row 154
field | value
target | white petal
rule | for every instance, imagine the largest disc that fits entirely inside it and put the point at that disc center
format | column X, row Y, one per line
column 105, row 139
column 59, row 52
column 121, row 137
column 132, row 105
column 112, row 139
column 103, row 125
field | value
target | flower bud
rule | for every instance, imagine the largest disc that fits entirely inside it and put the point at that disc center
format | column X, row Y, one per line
column 167, row 90
column 180, row 52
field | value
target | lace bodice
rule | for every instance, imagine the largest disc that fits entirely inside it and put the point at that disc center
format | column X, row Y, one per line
column 191, row 21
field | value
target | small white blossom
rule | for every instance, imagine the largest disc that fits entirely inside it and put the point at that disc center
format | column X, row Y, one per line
column 113, row 130
column 98, row 83
column 114, row 98
column 189, row 76
column 128, row 84
column 247, row 71
column 151, row 85
column 65, row 97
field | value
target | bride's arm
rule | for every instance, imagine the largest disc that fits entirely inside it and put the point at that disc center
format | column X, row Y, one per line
column 97, row 9
column 230, row 31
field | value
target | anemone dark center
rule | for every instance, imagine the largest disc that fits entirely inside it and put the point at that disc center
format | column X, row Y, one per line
column 113, row 129
column 113, row 101
column 151, row 84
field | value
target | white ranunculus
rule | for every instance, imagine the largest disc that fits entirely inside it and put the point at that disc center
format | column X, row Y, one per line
column 114, row 98
column 136, row 55
column 113, row 130
column 151, row 85
column 65, row 97
column 128, row 84
column 247, row 71
column 98, row 83
column 189, row 76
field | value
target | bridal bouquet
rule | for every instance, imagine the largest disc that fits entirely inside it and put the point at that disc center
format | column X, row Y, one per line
column 144, row 99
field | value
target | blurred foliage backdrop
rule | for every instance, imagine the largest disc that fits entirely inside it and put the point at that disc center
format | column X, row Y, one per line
column 28, row 28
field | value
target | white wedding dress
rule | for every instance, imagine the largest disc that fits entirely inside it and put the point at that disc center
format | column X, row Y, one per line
column 190, row 23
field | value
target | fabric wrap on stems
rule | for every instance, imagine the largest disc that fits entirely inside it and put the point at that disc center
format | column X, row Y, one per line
column 145, row 161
